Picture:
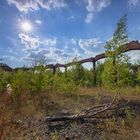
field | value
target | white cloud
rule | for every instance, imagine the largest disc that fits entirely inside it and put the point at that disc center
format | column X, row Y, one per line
column 41, row 49
column 51, row 4
column 10, row 57
column 70, row 18
column 76, row 53
column 95, row 6
column 25, row 5
column 101, row 4
column 50, row 42
column 56, row 51
column 91, row 46
column 90, row 6
column 11, row 51
column 87, row 43
column 133, row 3
column 29, row 42
column 73, row 41
column 89, row 17
column 41, row 54
column 38, row 21
column 34, row 42
column 50, row 55
column 134, row 56
column 48, row 50
column 32, row 5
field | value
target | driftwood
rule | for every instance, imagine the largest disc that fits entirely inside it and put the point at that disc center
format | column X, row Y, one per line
column 89, row 113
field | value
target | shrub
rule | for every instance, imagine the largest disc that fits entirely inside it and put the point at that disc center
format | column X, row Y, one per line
column 61, row 84
column 4, row 80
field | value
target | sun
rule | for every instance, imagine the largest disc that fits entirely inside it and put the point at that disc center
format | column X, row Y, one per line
column 26, row 26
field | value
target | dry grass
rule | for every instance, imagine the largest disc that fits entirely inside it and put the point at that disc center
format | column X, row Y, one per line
column 132, row 93
column 57, row 103
column 52, row 103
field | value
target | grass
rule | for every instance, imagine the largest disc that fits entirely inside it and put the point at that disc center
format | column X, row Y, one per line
column 49, row 103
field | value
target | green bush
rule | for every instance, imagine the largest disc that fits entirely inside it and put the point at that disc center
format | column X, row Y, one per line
column 4, row 80
column 61, row 84
column 138, row 76
column 19, row 82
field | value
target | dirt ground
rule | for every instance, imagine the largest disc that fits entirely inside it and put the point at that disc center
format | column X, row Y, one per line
column 29, row 123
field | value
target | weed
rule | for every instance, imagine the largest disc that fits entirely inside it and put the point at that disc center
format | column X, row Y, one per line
column 128, row 116
column 54, row 135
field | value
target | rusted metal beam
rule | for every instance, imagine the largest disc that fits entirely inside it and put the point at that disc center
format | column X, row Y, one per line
column 23, row 69
column 60, row 65
column 86, row 60
column 51, row 66
column 133, row 45
column 99, row 56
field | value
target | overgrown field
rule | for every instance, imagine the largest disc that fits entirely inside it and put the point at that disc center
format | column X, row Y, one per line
column 27, row 98
column 36, row 94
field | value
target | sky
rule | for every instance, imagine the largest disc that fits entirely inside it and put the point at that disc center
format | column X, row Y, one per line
column 57, row 31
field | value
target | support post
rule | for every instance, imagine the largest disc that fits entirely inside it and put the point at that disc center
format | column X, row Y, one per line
column 65, row 71
column 94, row 71
column 54, row 69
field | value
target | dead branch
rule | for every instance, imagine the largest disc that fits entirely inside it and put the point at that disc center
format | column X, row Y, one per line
column 89, row 113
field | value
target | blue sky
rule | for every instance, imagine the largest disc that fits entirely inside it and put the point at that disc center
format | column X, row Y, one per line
column 62, row 29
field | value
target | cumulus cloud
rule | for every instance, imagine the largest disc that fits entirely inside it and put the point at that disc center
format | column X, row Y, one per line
column 73, row 41
column 89, row 43
column 95, row 6
column 10, row 57
column 49, row 42
column 34, row 42
column 48, row 49
column 36, row 48
column 91, row 46
column 42, row 54
column 28, row 41
column 56, row 51
column 133, row 3
column 38, row 21
column 32, row 5
column 134, row 56
column 89, row 17
column 49, row 55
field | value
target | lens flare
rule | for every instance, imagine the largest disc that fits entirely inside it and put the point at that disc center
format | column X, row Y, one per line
column 26, row 26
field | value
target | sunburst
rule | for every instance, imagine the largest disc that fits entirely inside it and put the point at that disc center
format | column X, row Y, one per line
column 26, row 26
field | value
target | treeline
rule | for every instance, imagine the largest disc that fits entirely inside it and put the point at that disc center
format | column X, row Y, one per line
column 39, row 79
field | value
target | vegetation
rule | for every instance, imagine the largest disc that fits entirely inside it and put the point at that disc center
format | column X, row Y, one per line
column 116, row 71
column 39, row 90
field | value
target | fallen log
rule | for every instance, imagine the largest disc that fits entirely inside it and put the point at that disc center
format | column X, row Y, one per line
column 89, row 113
